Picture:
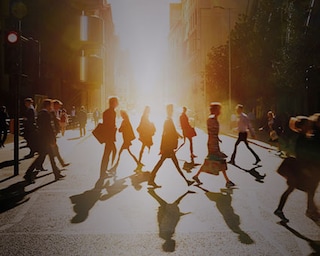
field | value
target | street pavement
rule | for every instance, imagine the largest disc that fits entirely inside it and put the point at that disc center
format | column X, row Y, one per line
column 84, row 215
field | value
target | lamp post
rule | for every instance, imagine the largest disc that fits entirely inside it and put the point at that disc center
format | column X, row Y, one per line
column 229, row 53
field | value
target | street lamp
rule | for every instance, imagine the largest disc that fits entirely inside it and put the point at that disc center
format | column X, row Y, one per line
column 229, row 53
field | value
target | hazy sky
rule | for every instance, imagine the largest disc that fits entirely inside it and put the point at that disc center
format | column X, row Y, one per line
column 143, row 27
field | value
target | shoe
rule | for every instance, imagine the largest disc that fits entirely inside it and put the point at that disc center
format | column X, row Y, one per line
column 197, row 180
column 193, row 156
column 65, row 164
column 29, row 179
column 190, row 182
column 153, row 184
column 257, row 161
column 59, row 176
column 230, row 184
column 281, row 216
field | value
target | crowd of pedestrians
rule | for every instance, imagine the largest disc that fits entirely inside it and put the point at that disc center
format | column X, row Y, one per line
column 41, row 130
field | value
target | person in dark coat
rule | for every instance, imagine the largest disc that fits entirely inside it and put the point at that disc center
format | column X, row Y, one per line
column 109, row 123
column 3, row 125
column 187, row 130
column 127, row 135
column 169, row 143
column 30, row 127
column 146, row 130
column 47, row 137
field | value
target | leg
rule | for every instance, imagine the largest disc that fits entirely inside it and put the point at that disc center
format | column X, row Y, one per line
column 233, row 156
column 133, row 156
column 105, row 160
column 282, row 202
column 120, row 152
column 229, row 183
column 254, row 153
column 141, row 152
column 191, row 148
column 175, row 161
column 154, row 172
column 55, row 169
column 196, row 178
column 312, row 210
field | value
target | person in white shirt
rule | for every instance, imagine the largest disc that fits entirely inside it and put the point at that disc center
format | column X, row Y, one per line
column 243, row 126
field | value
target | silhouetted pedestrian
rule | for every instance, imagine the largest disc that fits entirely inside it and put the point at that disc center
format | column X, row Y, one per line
column 96, row 116
column 82, row 118
column 168, row 218
column 215, row 157
column 4, row 126
column 63, row 121
column 127, row 135
column 187, row 130
column 302, row 172
column 57, row 104
column 47, row 138
column 30, row 127
column 146, row 130
column 243, row 126
column 169, row 143
column 109, row 124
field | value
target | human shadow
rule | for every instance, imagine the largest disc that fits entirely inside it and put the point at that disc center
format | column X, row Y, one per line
column 168, row 218
column 85, row 201
column 16, row 194
column 9, row 163
column 188, row 166
column 223, row 202
column 253, row 172
column 138, row 178
column 315, row 245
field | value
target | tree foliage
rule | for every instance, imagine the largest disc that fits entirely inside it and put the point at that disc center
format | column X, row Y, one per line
column 270, row 52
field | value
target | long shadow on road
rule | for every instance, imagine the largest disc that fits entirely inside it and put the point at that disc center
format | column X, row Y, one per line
column 223, row 202
column 85, row 201
column 315, row 245
column 16, row 194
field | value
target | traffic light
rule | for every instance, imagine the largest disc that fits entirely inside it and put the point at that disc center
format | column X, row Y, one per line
column 12, row 52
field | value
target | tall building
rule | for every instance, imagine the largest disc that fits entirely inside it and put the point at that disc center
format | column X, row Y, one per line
column 195, row 27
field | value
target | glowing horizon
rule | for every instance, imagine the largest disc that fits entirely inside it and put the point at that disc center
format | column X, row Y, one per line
column 143, row 27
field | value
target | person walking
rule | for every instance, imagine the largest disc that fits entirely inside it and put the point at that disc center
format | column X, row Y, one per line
column 243, row 126
column 109, row 124
column 127, row 135
column 96, row 116
column 187, row 130
column 3, row 125
column 47, row 138
column 82, row 118
column 55, row 117
column 169, row 143
column 146, row 130
column 30, row 127
column 214, row 153
column 63, row 121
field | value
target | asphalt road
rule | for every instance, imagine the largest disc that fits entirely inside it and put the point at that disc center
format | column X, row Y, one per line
column 119, row 215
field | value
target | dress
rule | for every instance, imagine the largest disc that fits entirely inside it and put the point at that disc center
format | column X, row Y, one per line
column 213, row 139
column 127, row 133
column 187, row 130
column 146, row 130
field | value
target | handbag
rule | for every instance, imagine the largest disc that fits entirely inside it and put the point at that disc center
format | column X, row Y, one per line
column 213, row 166
column 100, row 133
